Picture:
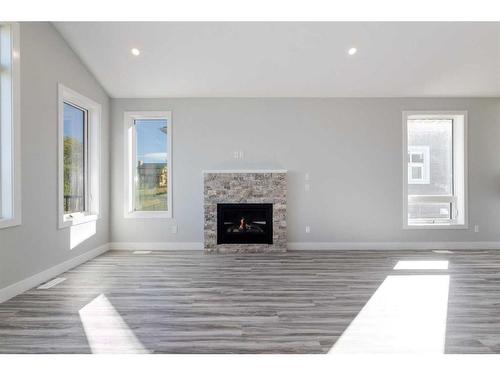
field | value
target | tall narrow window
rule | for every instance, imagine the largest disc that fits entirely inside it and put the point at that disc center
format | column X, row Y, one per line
column 151, row 178
column 79, row 158
column 148, row 171
column 75, row 156
column 435, row 169
column 10, row 127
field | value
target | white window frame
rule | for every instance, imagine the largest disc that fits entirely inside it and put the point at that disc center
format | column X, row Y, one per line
column 424, row 166
column 129, row 164
column 93, row 159
column 459, row 200
column 10, row 126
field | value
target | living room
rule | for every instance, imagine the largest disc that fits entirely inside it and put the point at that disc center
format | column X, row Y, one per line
column 249, row 187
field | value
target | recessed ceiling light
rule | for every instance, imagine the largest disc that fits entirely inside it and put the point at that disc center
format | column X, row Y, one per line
column 135, row 52
column 352, row 51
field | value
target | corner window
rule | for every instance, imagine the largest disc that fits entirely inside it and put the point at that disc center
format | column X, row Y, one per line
column 148, row 167
column 10, row 127
column 435, row 169
column 79, row 157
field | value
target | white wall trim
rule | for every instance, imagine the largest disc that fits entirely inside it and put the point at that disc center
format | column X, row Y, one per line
column 156, row 246
column 466, row 245
column 198, row 246
column 22, row 286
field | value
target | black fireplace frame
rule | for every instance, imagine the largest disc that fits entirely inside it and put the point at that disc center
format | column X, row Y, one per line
column 245, row 238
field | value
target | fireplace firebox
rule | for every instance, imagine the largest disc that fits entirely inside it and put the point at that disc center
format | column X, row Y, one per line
column 244, row 223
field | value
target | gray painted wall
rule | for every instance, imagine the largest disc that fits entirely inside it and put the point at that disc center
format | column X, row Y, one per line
column 352, row 149
column 38, row 244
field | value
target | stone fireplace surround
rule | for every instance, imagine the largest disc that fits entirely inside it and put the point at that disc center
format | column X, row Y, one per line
column 244, row 186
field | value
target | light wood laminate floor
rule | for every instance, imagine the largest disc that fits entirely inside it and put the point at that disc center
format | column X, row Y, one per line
column 297, row 302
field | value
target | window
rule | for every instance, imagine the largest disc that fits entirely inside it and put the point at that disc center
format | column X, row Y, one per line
column 79, row 158
column 75, row 158
column 148, row 170
column 10, row 127
column 435, row 168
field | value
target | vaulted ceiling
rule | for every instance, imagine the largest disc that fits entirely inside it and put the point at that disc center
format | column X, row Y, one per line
column 290, row 59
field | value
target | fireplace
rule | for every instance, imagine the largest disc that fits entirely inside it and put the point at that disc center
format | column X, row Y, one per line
column 244, row 223
column 258, row 197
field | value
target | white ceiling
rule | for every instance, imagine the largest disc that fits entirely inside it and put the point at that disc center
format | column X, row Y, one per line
column 290, row 59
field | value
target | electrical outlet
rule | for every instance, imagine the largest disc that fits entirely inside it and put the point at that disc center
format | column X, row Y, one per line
column 308, row 229
column 174, row 229
column 476, row 228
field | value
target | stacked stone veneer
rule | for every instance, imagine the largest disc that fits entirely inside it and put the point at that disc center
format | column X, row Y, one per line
column 245, row 187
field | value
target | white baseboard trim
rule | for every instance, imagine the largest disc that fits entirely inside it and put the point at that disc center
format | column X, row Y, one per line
column 22, row 286
column 480, row 245
column 198, row 246
column 158, row 246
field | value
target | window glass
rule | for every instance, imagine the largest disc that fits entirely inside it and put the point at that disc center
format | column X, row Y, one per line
column 151, row 182
column 430, row 168
column 417, row 157
column 436, row 136
column 74, row 158
column 10, row 126
column 416, row 173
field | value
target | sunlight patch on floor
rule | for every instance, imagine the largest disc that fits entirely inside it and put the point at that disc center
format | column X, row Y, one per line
column 407, row 314
column 106, row 330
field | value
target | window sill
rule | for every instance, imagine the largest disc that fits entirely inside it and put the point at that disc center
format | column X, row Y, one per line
column 436, row 226
column 8, row 223
column 148, row 215
column 69, row 222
